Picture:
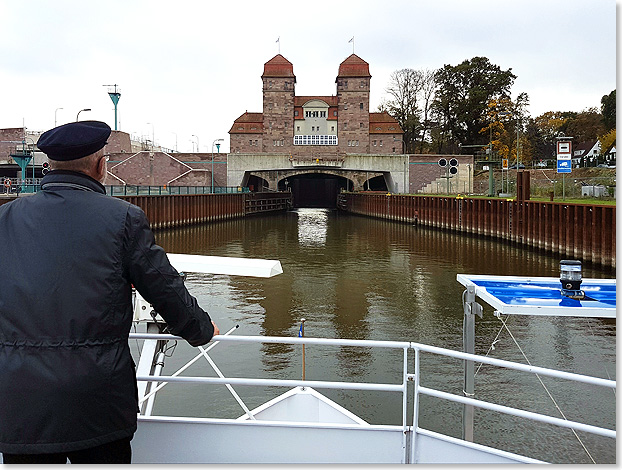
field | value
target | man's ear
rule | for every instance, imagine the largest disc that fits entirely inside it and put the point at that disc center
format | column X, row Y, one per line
column 101, row 169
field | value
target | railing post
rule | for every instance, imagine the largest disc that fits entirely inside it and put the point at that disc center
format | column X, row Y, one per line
column 471, row 308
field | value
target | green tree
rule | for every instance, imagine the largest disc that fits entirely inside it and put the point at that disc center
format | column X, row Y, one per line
column 462, row 97
column 608, row 110
column 585, row 126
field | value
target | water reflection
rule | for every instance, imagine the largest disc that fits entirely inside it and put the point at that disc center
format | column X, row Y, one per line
column 312, row 226
column 362, row 278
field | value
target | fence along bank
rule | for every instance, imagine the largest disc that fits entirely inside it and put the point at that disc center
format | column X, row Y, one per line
column 580, row 231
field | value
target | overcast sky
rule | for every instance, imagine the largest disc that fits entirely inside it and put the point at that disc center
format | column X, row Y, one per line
column 190, row 68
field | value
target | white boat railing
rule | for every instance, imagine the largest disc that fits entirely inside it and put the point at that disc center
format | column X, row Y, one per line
column 409, row 446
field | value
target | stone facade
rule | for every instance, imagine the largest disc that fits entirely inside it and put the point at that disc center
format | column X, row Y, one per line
column 308, row 127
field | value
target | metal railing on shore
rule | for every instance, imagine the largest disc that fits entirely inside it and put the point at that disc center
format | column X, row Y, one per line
column 131, row 190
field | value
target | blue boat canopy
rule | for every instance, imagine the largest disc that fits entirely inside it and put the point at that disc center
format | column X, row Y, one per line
column 511, row 295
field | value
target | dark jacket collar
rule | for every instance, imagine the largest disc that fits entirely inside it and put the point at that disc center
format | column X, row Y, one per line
column 71, row 180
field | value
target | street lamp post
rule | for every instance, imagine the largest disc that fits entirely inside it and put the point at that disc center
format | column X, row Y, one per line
column 55, row 115
column 217, row 140
column 198, row 148
column 78, row 115
column 152, row 136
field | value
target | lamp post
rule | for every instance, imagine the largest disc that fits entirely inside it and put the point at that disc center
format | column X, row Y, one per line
column 55, row 115
column 78, row 115
column 198, row 148
column 217, row 140
column 152, row 136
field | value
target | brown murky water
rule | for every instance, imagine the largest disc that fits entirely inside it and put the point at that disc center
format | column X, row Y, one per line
column 361, row 278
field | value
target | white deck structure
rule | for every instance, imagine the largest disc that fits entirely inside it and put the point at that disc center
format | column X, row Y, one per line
column 304, row 426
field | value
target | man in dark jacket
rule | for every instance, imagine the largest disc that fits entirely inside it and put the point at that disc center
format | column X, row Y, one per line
column 69, row 256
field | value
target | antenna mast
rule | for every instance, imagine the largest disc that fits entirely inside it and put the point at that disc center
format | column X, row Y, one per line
column 114, row 96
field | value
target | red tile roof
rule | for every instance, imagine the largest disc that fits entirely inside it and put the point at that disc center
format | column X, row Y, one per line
column 302, row 100
column 248, row 123
column 383, row 123
column 354, row 66
column 278, row 66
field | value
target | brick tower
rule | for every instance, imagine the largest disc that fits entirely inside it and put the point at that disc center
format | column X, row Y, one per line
column 353, row 82
column 279, row 83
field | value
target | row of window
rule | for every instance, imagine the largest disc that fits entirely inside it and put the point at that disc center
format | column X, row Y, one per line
column 316, row 128
column 286, row 85
column 344, row 83
column 315, row 140
column 315, row 114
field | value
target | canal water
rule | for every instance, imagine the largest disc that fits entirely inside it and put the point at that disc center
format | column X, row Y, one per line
column 361, row 278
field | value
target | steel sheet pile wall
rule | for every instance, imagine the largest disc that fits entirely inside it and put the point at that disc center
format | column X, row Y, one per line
column 188, row 209
column 267, row 202
column 580, row 231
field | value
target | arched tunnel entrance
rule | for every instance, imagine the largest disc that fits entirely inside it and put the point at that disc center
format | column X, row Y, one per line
column 321, row 189
column 315, row 189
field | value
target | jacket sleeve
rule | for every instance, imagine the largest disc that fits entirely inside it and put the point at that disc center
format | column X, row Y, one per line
column 160, row 284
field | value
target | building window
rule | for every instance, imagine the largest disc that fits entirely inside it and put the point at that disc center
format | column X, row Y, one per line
column 361, row 105
column 381, row 143
column 362, row 85
column 315, row 139
column 393, row 149
column 334, row 113
column 297, row 128
column 361, row 125
column 269, row 83
column 357, row 143
column 332, row 128
column 374, row 143
column 345, row 126
column 296, row 113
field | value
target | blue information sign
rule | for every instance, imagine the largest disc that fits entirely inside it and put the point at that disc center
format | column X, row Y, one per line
column 564, row 165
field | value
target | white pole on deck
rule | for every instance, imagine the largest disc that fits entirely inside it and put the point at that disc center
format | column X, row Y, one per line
column 471, row 308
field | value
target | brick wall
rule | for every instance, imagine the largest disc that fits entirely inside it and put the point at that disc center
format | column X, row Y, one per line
column 353, row 120
column 278, row 114
column 118, row 142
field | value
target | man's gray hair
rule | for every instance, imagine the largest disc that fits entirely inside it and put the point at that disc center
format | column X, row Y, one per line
column 83, row 165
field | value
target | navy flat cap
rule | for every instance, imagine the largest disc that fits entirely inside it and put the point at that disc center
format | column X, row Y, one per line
column 74, row 140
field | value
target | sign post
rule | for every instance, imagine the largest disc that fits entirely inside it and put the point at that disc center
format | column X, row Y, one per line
column 564, row 160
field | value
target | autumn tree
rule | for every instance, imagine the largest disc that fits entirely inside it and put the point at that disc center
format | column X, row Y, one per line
column 462, row 97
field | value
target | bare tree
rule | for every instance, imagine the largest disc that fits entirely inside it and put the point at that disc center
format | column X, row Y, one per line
column 411, row 94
